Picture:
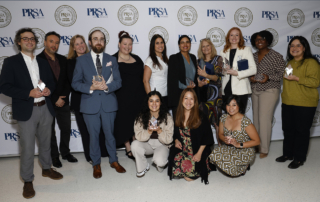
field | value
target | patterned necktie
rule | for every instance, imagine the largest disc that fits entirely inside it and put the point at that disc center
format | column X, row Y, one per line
column 99, row 66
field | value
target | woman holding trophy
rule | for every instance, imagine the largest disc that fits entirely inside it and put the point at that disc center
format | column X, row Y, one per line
column 300, row 98
column 153, row 129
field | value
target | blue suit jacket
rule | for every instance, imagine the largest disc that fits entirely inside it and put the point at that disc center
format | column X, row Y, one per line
column 82, row 81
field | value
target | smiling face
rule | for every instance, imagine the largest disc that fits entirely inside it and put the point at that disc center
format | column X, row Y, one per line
column 188, row 101
column 51, row 44
column 297, row 49
column 125, row 46
column 261, row 43
column 234, row 37
column 232, row 108
column 97, row 42
column 185, row 45
column 154, row 103
column 27, row 46
column 159, row 46
column 206, row 48
column 80, row 46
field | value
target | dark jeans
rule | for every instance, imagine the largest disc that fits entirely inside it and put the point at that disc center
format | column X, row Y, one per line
column 64, row 123
column 296, row 124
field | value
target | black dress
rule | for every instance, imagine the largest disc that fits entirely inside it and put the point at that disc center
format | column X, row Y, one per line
column 130, row 98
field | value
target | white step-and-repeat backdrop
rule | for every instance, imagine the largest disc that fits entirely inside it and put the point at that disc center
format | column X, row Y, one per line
column 207, row 19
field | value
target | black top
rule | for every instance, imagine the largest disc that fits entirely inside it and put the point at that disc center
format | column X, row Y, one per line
column 130, row 98
column 176, row 73
column 228, row 89
column 75, row 95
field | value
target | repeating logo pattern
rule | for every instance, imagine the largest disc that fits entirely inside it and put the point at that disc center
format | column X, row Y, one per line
column 6, row 114
column 187, row 15
column 243, row 17
column 216, row 13
column 275, row 36
column 316, row 119
column 158, row 12
column 40, row 34
column 5, row 17
column 315, row 37
column 128, row 15
column 217, row 36
column 103, row 30
column 161, row 31
column 295, row 18
column 270, row 15
column 316, row 15
column 65, row 16
column 97, row 12
column 12, row 136
column 75, row 133
column 33, row 13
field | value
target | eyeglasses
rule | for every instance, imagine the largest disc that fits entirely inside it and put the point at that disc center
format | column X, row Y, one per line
column 101, row 40
column 298, row 46
column 26, row 39
column 260, row 39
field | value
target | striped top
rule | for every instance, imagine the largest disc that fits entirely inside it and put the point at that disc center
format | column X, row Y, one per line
column 273, row 65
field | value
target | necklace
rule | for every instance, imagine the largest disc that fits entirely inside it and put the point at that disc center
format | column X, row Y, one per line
column 124, row 59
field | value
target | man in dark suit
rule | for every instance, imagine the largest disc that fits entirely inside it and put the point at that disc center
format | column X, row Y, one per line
column 60, row 99
column 31, row 106
column 98, row 101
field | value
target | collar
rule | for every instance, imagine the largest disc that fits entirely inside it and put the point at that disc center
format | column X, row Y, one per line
column 27, row 57
column 48, row 56
column 94, row 55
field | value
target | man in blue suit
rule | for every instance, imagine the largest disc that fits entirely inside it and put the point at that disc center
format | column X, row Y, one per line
column 98, row 101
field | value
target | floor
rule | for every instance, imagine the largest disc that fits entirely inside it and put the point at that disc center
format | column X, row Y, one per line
column 266, row 181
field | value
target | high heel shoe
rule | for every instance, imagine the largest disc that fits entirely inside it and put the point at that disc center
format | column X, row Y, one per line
column 130, row 156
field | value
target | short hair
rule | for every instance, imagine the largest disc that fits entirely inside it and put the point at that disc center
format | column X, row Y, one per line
column 97, row 30
column 72, row 53
column 183, row 36
column 52, row 33
column 17, row 38
column 213, row 49
column 265, row 34
column 242, row 108
column 124, row 35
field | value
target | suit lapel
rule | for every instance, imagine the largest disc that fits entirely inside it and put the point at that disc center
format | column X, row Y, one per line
column 25, row 70
column 182, row 69
column 91, row 64
column 106, row 70
column 235, row 60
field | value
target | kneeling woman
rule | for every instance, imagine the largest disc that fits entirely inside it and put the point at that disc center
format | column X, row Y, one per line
column 193, row 137
column 152, row 139
column 240, row 137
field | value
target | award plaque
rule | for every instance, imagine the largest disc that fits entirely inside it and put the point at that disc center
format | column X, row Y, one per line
column 97, row 78
column 153, row 123
column 41, row 86
column 288, row 71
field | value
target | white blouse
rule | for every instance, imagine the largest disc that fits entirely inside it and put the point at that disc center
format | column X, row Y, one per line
column 158, row 79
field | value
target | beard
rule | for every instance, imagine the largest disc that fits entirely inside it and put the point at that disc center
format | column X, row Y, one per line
column 98, row 49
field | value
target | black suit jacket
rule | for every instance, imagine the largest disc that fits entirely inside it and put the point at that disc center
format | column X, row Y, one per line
column 62, row 85
column 75, row 95
column 176, row 73
column 15, row 82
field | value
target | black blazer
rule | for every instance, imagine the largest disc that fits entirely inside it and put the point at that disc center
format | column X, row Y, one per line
column 75, row 95
column 15, row 82
column 176, row 73
column 63, row 87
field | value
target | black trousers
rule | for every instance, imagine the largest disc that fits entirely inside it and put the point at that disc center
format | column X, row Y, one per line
column 85, row 137
column 296, row 124
column 64, row 123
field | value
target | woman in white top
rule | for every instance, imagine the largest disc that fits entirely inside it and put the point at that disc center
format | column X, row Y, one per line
column 156, row 67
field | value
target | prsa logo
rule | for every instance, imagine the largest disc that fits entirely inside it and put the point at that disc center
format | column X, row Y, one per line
column 6, row 41
column 270, row 15
column 97, row 12
column 316, row 15
column 216, row 14
column 75, row 133
column 135, row 38
column 12, row 136
column 65, row 40
column 289, row 38
column 317, row 56
column 247, row 39
column 158, row 12
column 32, row 13
column 192, row 37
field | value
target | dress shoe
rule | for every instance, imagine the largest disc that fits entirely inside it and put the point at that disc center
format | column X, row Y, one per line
column 97, row 171
column 56, row 162
column 283, row 159
column 28, row 191
column 51, row 173
column 118, row 167
column 295, row 164
column 141, row 174
column 70, row 158
column 263, row 155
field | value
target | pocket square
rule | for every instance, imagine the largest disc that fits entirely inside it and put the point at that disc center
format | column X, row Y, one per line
column 109, row 63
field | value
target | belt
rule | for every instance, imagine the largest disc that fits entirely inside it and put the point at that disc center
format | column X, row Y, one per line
column 38, row 104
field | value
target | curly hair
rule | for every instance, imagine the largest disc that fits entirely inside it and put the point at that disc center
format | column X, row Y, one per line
column 17, row 38
column 264, row 34
column 144, row 115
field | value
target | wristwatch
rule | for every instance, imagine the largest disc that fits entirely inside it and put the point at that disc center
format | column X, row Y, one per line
column 241, row 145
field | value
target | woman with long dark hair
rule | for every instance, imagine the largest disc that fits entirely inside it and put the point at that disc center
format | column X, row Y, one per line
column 192, row 139
column 299, row 101
column 152, row 139
column 156, row 67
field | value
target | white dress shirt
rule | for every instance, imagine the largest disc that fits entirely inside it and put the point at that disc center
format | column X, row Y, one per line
column 33, row 69
column 94, row 58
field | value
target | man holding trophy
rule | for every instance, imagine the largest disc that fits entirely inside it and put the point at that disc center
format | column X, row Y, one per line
column 98, row 101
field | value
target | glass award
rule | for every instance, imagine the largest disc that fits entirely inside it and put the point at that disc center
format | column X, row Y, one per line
column 153, row 123
column 226, row 66
column 97, row 78
column 41, row 86
column 188, row 81
column 259, row 77
column 288, row 71
column 229, row 135
column 202, row 64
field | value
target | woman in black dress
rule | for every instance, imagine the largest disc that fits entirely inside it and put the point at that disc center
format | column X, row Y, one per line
column 131, row 71
column 77, row 48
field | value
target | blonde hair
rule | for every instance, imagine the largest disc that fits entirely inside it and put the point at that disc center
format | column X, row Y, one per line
column 72, row 53
column 213, row 49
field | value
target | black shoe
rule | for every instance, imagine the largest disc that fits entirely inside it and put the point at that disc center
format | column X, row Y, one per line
column 130, row 156
column 56, row 162
column 295, row 164
column 283, row 159
column 70, row 158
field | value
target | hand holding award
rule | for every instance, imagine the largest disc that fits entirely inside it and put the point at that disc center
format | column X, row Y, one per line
column 288, row 71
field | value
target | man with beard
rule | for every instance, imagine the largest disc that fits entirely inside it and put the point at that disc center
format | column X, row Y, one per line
column 60, row 99
column 98, row 100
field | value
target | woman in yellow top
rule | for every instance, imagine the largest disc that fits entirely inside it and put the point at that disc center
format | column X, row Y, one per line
column 299, row 101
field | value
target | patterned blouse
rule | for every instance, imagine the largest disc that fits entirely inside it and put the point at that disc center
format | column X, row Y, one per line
column 273, row 65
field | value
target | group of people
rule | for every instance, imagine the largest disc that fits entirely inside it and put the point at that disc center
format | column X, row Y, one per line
column 211, row 91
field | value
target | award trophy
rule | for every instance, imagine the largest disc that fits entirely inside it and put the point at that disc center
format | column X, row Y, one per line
column 97, row 78
column 259, row 77
column 41, row 86
column 202, row 64
column 229, row 135
column 226, row 66
column 188, row 81
column 288, row 71
column 153, row 123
